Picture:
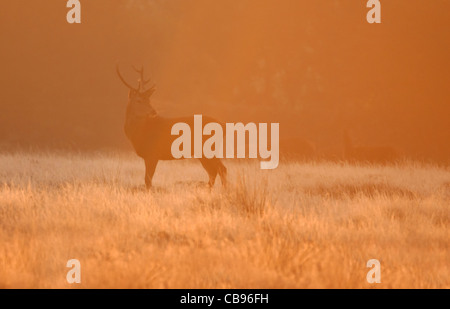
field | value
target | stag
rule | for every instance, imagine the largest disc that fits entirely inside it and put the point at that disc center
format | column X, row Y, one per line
column 150, row 134
column 369, row 154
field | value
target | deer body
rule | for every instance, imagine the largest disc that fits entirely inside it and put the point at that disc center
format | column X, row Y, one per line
column 150, row 134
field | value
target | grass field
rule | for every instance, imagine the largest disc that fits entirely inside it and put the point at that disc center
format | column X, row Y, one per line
column 303, row 225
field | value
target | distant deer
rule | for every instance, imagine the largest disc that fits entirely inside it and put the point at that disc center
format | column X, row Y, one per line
column 370, row 154
column 150, row 134
column 297, row 148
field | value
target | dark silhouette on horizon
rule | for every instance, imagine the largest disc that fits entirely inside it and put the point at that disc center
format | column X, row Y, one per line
column 369, row 154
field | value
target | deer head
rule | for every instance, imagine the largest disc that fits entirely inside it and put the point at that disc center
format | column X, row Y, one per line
column 139, row 97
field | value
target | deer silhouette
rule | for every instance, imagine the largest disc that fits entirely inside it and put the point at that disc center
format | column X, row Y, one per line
column 368, row 154
column 150, row 134
column 298, row 148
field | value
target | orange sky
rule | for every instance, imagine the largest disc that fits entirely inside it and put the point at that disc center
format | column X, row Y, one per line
column 317, row 67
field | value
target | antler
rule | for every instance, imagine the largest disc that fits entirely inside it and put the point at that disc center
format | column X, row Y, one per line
column 123, row 80
column 142, row 81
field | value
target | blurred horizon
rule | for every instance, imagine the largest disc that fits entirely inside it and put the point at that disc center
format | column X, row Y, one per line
column 316, row 67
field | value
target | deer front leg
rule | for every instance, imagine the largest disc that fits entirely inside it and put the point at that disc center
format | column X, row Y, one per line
column 150, row 166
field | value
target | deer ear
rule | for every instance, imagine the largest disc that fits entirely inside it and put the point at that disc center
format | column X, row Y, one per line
column 131, row 93
column 149, row 92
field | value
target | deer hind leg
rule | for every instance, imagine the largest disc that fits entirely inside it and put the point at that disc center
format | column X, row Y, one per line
column 211, row 168
column 150, row 166
column 222, row 173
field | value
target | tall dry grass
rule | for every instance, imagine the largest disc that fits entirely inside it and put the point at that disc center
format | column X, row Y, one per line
column 310, row 225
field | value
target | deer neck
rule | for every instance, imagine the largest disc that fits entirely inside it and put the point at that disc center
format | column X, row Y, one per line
column 135, row 121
